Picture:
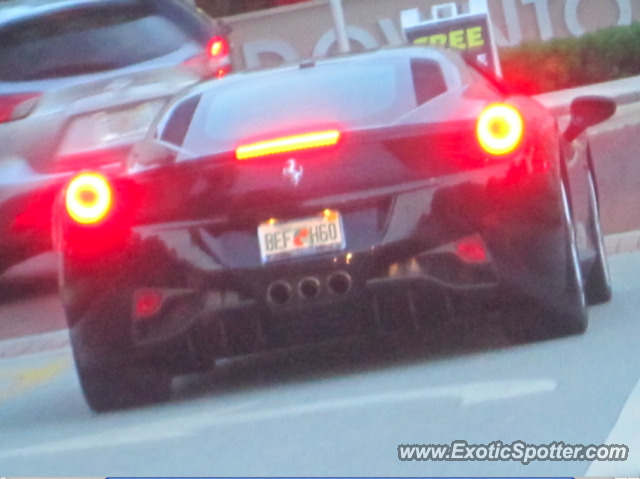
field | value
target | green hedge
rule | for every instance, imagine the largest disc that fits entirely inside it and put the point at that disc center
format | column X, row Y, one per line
column 605, row 55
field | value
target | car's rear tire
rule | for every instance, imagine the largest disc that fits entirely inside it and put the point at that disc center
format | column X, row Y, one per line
column 598, row 286
column 528, row 321
column 109, row 388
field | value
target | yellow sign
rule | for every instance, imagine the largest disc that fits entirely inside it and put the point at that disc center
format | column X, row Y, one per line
column 461, row 39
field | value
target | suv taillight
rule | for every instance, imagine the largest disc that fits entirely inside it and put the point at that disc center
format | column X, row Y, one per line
column 218, row 48
column 17, row 106
column 214, row 62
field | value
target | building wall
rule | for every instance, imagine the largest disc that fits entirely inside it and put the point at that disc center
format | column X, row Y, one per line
column 304, row 30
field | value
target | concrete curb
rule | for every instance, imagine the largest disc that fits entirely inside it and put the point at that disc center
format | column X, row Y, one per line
column 624, row 92
column 622, row 242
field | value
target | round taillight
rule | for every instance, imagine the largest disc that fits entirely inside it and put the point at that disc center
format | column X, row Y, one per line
column 218, row 48
column 500, row 129
column 88, row 198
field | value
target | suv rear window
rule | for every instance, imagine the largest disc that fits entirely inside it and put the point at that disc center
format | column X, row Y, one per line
column 86, row 40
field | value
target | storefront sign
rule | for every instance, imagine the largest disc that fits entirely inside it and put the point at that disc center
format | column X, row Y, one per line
column 466, row 32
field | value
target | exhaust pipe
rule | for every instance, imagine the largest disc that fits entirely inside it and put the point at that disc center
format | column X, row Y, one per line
column 279, row 292
column 339, row 283
column 309, row 288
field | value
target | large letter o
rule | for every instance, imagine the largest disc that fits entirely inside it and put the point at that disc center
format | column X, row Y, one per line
column 357, row 34
column 576, row 29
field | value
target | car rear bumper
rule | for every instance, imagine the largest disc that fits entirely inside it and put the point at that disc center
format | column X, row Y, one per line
column 228, row 321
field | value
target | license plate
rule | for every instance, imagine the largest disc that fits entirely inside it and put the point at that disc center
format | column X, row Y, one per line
column 128, row 123
column 108, row 129
column 318, row 234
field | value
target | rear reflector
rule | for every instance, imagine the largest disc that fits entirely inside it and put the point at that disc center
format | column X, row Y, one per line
column 289, row 143
column 88, row 198
column 471, row 250
column 500, row 129
column 147, row 303
column 18, row 106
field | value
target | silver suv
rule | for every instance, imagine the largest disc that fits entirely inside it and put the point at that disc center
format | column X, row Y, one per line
column 80, row 82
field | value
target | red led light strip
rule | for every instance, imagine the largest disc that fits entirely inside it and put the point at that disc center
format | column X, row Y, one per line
column 289, row 143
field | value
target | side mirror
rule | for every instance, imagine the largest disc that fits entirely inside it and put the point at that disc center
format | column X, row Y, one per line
column 588, row 111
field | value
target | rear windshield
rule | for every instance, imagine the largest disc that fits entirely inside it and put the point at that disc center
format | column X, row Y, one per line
column 351, row 96
column 87, row 40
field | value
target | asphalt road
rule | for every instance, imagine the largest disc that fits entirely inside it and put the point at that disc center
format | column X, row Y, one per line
column 343, row 409
column 26, row 292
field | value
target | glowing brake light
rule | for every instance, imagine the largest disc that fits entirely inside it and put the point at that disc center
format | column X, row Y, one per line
column 88, row 198
column 289, row 143
column 218, row 48
column 500, row 129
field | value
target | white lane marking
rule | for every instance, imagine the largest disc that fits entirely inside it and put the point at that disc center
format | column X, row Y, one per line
column 126, row 435
column 184, row 426
column 624, row 432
